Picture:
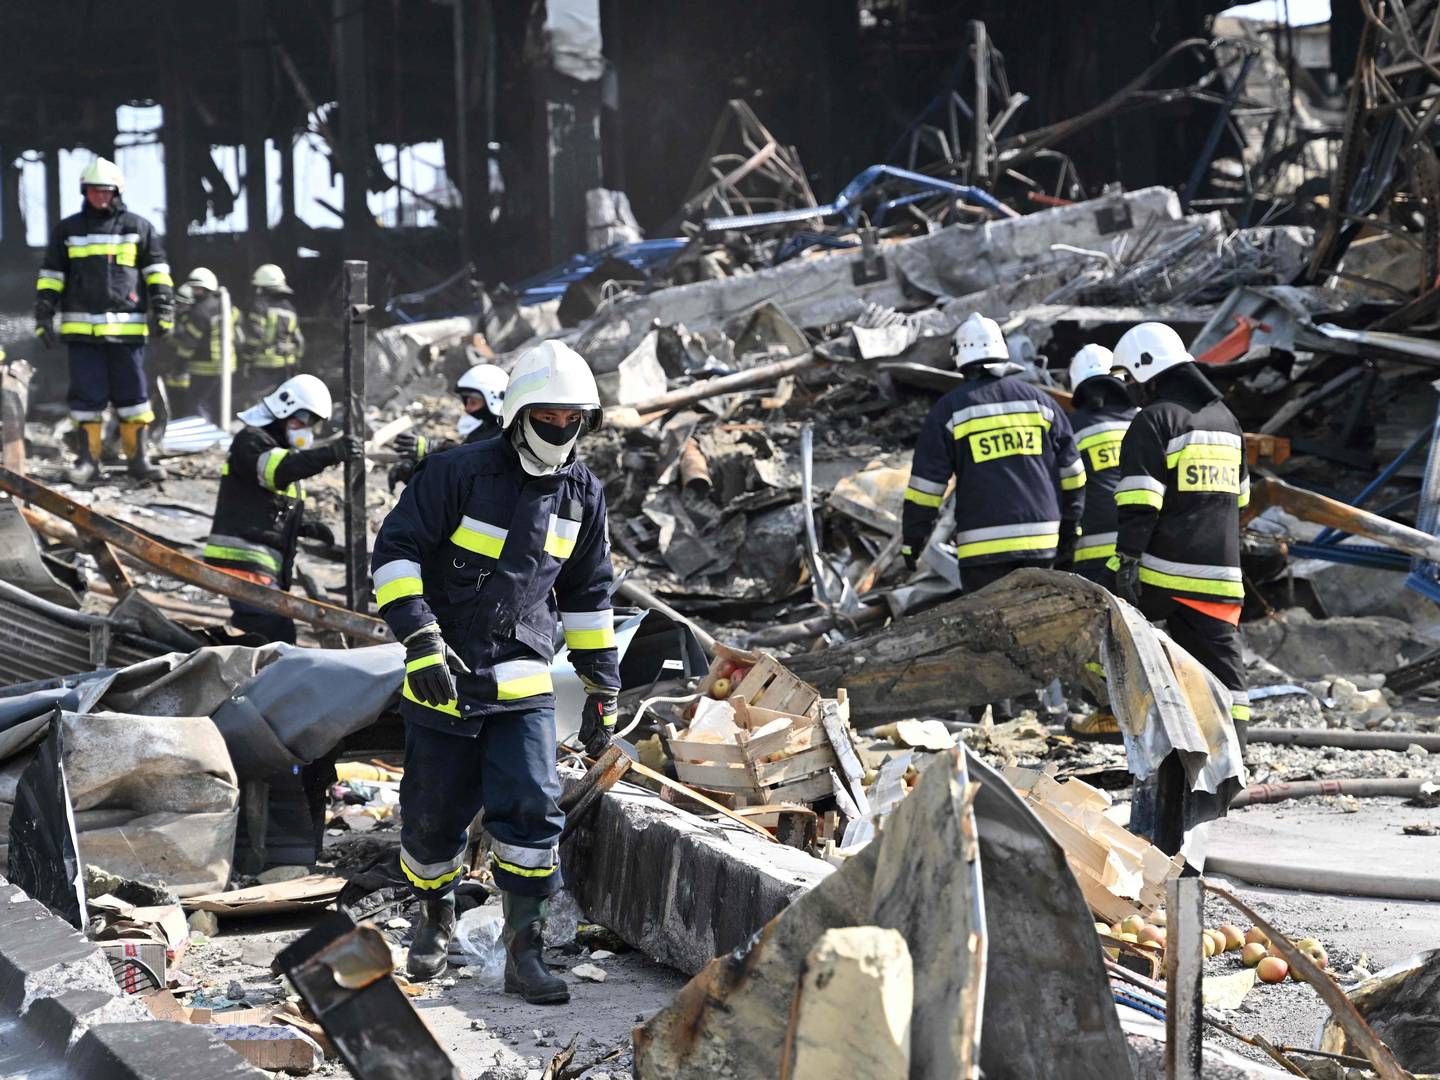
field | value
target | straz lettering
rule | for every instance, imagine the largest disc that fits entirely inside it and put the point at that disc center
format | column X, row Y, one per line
column 1104, row 456
column 1005, row 442
column 1209, row 476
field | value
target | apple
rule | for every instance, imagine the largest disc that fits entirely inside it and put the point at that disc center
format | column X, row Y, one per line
column 1252, row 954
column 1255, row 934
column 1153, row 935
column 720, row 689
column 1272, row 969
column 1314, row 950
column 1159, row 919
column 1132, row 924
column 1207, row 946
column 1234, row 938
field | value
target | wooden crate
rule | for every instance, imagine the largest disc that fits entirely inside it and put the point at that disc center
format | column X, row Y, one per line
column 776, row 758
column 767, row 686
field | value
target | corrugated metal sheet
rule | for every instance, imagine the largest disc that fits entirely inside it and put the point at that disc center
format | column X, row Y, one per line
column 36, row 644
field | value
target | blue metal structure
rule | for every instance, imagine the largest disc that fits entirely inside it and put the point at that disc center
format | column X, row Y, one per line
column 644, row 256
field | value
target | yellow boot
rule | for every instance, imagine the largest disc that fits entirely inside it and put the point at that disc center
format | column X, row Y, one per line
column 132, row 438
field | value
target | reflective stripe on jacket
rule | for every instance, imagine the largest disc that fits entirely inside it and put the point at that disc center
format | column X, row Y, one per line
column 1098, row 435
column 103, row 271
column 1018, row 476
column 198, row 339
column 1183, row 482
column 272, row 334
column 499, row 558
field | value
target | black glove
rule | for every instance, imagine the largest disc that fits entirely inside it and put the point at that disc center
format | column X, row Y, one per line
column 318, row 530
column 597, row 721
column 1127, row 579
column 400, row 473
column 431, row 681
column 350, row 447
column 1065, row 549
column 164, row 321
column 411, row 445
column 45, row 324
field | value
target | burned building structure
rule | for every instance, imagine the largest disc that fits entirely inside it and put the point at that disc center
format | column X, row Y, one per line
column 536, row 104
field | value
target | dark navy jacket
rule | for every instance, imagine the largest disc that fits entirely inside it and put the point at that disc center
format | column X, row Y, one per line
column 1018, row 477
column 497, row 557
column 1100, row 425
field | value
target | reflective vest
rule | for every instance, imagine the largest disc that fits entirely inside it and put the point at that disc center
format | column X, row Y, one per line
column 198, row 339
column 498, row 558
column 103, row 271
column 1098, row 435
column 1018, row 477
column 1183, row 482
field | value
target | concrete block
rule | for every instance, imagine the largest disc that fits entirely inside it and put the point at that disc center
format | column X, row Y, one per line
column 60, row 1021
column 677, row 887
column 159, row 1050
column 853, row 1013
column 42, row 958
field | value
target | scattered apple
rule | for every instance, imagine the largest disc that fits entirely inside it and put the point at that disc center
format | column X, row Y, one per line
column 1208, row 946
column 1255, row 934
column 1314, row 950
column 1132, row 924
column 720, row 689
column 1234, row 937
column 1153, row 935
column 1131, row 938
column 1272, row 969
column 1218, row 938
column 1252, row 954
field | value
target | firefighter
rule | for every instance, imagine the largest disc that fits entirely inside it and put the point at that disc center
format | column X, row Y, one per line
column 259, row 513
column 490, row 546
column 482, row 395
column 1019, row 483
column 105, row 273
column 273, row 345
column 1103, row 411
column 200, row 346
column 1183, row 483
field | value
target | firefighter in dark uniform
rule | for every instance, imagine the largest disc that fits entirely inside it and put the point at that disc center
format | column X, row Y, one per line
column 200, row 346
column 259, row 513
column 490, row 546
column 482, row 395
column 1183, row 483
column 1019, row 482
column 105, row 273
column 273, row 345
column 1103, row 411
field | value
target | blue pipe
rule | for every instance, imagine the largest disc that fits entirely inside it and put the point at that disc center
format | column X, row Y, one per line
column 1330, row 535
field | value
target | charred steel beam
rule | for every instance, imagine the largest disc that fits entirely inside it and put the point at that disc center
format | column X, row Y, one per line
column 90, row 523
column 1309, row 506
column 357, row 591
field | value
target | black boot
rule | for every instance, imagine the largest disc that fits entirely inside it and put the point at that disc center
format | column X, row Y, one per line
column 141, row 467
column 432, row 939
column 525, row 970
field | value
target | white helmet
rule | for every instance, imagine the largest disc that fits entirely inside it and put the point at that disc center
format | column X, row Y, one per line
column 184, row 293
column 551, row 375
column 487, row 380
column 269, row 276
column 203, row 278
column 979, row 341
column 102, row 172
column 294, row 394
column 1148, row 349
column 1090, row 361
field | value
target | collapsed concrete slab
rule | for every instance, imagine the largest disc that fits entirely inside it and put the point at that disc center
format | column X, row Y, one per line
column 852, row 1014
column 62, row 1015
column 678, row 887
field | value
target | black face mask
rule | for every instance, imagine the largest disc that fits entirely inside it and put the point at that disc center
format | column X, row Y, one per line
column 555, row 434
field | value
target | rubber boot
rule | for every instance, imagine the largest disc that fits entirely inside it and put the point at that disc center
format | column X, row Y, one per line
column 86, row 472
column 432, row 939
column 133, row 438
column 525, row 970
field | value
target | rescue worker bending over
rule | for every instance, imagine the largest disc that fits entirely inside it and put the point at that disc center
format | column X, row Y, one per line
column 482, row 394
column 199, row 343
column 1183, row 482
column 274, row 345
column 1019, row 483
column 259, row 513
column 490, row 546
column 1103, row 411
column 105, row 272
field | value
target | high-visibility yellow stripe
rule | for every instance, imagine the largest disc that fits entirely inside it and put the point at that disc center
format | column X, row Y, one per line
column 562, row 547
column 124, row 253
column 1139, row 497
column 160, row 277
column 147, row 417
column 1240, row 712
column 1004, row 420
column 272, row 462
column 1244, row 498
column 399, row 589
column 423, row 662
column 51, row 284
column 590, row 639
column 1098, row 551
column 430, row 883
column 479, row 542
column 1229, row 590
column 450, row 708
column 1228, row 455
column 1039, row 542
column 234, row 554
column 523, row 687
column 922, row 498
column 523, row 871
column 1070, row 483
column 105, row 329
